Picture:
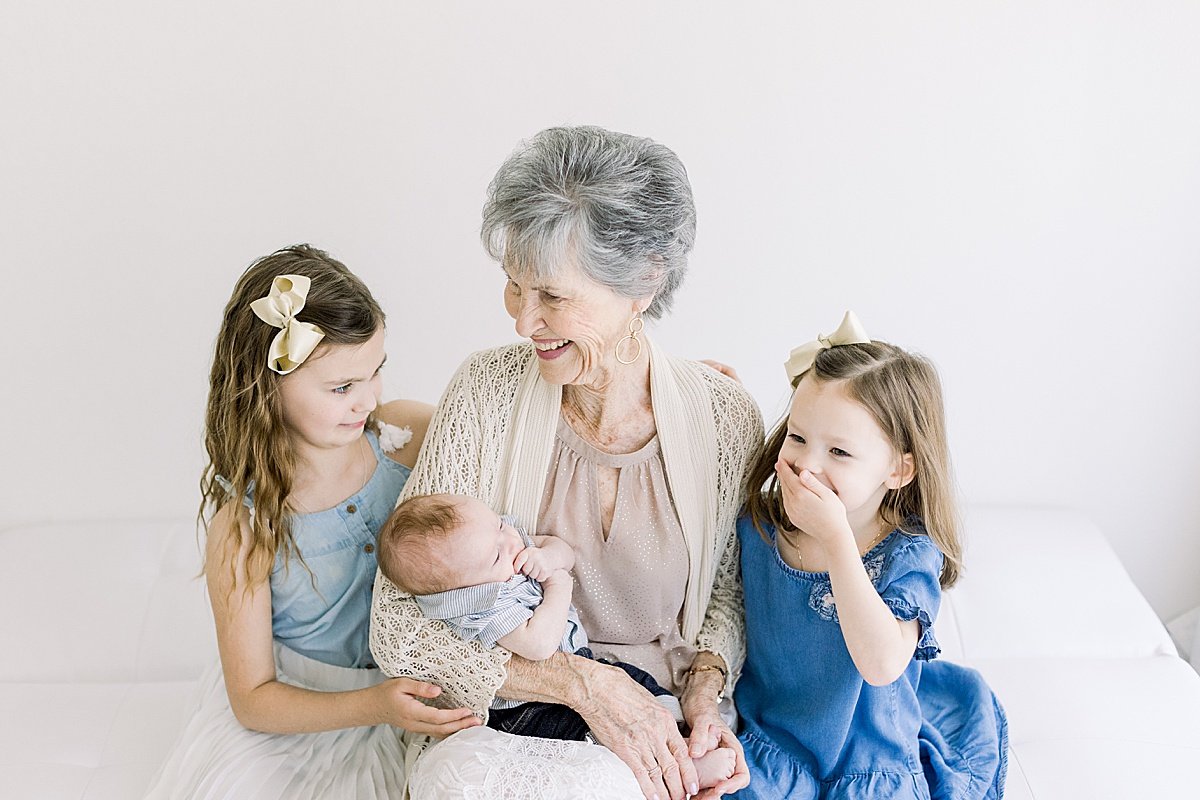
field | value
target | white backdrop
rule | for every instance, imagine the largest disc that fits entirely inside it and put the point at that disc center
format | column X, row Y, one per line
column 1012, row 189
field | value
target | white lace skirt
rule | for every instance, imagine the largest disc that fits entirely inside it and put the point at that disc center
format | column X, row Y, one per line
column 217, row 759
column 484, row 764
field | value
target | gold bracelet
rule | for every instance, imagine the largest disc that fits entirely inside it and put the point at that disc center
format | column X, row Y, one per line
column 712, row 668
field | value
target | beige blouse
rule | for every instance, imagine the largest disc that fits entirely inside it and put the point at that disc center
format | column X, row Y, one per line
column 493, row 437
column 630, row 587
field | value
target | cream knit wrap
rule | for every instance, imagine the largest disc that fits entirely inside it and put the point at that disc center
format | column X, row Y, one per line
column 492, row 438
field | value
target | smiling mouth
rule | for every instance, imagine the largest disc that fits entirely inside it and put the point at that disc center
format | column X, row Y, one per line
column 551, row 345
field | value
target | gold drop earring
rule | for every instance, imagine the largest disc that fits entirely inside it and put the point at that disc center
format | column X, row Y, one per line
column 635, row 327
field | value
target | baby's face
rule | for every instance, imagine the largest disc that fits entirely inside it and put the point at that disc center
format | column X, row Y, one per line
column 483, row 547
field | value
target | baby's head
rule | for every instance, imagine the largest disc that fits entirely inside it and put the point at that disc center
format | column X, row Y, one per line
column 436, row 542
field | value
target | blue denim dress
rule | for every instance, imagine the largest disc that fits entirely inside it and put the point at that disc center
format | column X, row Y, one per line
column 813, row 728
column 320, row 622
column 324, row 611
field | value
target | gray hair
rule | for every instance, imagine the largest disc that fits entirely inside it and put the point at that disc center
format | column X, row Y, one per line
column 620, row 204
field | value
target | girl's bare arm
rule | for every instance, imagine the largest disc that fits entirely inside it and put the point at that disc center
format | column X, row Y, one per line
column 260, row 702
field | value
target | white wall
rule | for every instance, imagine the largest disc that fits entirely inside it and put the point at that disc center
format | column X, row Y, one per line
column 1010, row 188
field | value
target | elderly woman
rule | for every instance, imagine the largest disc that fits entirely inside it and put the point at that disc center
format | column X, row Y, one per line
column 589, row 432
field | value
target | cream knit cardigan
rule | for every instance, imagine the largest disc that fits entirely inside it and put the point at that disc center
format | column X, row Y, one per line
column 492, row 437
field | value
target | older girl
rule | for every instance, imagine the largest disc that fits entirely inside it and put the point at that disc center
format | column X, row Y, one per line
column 850, row 537
column 297, row 485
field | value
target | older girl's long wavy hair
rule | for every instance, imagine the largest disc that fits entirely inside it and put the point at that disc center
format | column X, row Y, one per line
column 902, row 392
column 244, row 433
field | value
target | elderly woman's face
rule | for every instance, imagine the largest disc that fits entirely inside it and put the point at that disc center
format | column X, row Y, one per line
column 573, row 322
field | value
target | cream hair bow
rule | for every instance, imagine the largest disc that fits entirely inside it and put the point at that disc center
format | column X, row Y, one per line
column 803, row 357
column 279, row 308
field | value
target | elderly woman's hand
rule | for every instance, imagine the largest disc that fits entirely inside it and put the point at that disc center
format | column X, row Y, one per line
column 709, row 732
column 708, row 729
column 627, row 719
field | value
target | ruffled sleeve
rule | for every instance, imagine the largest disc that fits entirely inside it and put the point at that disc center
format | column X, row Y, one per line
column 910, row 588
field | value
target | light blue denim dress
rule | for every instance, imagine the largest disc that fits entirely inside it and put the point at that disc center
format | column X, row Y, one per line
column 331, row 624
column 813, row 728
column 320, row 644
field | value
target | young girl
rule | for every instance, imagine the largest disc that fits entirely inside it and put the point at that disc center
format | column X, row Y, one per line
column 849, row 538
column 297, row 485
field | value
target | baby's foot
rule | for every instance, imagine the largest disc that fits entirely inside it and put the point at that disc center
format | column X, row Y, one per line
column 714, row 766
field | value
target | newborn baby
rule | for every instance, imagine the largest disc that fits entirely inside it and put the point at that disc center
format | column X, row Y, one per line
column 485, row 578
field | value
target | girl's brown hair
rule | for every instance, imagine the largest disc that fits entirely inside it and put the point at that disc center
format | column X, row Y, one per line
column 244, row 433
column 902, row 392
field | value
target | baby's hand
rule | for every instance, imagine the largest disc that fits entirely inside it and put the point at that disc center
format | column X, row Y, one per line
column 811, row 505
column 532, row 561
column 558, row 576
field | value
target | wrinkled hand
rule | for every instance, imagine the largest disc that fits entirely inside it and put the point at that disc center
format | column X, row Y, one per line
column 811, row 505
column 627, row 719
column 709, row 732
column 402, row 708
column 532, row 561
